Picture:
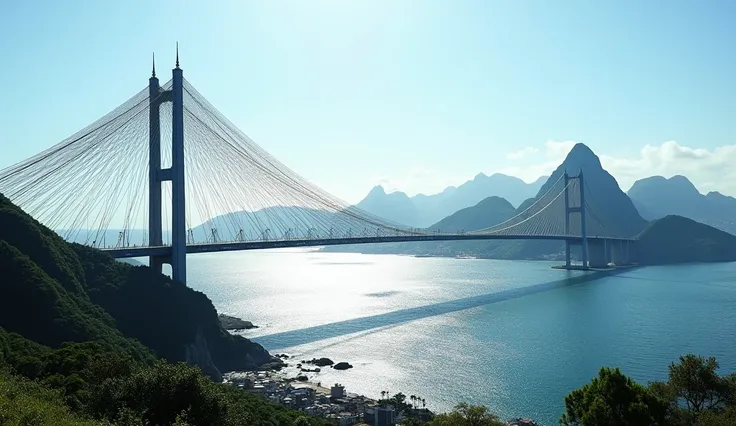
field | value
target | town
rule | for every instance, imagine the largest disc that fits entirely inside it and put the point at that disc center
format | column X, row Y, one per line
column 335, row 403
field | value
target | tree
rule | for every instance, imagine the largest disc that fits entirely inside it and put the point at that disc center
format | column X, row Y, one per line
column 696, row 383
column 467, row 415
column 301, row 421
column 613, row 399
column 694, row 388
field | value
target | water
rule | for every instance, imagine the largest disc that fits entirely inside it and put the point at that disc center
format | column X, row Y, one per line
column 515, row 336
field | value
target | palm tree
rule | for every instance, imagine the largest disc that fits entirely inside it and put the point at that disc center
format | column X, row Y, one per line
column 424, row 403
column 383, row 394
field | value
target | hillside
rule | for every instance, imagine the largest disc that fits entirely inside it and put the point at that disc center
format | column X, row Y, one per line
column 656, row 197
column 80, row 334
column 488, row 212
column 676, row 239
column 53, row 292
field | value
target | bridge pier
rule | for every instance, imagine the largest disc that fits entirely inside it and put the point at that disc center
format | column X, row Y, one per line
column 598, row 253
column 620, row 253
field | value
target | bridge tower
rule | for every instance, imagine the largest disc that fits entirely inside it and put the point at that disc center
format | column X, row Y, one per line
column 156, row 175
column 575, row 210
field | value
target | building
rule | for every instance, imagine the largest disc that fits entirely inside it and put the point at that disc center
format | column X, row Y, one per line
column 349, row 419
column 337, row 391
column 384, row 416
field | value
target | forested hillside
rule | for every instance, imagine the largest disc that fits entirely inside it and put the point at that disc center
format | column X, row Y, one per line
column 96, row 336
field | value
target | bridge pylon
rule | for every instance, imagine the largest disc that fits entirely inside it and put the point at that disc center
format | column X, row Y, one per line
column 156, row 175
column 575, row 210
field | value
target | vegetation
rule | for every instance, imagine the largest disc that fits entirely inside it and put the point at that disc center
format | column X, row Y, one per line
column 467, row 415
column 694, row 394
column 86, row 340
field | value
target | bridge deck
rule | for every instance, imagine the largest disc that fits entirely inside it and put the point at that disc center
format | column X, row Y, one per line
column 263, row 245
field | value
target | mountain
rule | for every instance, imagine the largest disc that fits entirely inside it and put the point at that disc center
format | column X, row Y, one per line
column 53, row 292
column 611, row 205
column 488, row 212
column 423, row 210
column 656, row 197
column 513, row 189
column 676, row 239
column 80, row 334
column 396, row 206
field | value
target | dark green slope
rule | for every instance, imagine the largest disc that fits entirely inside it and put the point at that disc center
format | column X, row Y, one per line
column 53, row 292
column 488, row 212
column 676, row 239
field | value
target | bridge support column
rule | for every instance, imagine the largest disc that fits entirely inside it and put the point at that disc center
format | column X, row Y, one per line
column 597, row 256
column 583, row 227
column 178, row 216
column 154, row 171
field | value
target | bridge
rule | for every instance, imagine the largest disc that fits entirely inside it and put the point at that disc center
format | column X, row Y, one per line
column 169, row 175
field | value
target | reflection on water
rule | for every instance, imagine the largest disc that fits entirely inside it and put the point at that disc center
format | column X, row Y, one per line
column 516, row 336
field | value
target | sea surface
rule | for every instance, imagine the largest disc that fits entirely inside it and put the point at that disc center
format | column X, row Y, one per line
column 516, row 336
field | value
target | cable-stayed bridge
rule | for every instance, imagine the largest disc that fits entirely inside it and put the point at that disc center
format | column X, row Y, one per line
column 167, row 162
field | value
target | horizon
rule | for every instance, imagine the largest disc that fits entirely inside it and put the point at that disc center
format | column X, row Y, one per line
column 414, row 96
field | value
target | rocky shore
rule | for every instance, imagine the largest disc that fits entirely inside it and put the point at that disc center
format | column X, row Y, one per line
column 233, row 323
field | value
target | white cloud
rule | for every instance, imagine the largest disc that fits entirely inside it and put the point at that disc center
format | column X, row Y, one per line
column 522, row 153
column 708, row 169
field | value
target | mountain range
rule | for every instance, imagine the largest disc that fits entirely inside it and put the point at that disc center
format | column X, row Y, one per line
column 422, row 210
column 614, row 209
column 656, row 197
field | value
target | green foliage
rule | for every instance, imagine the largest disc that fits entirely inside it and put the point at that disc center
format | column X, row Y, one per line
column 72, row 319
column 696, row 393
column 467, row 415
column 25, row 403
column 613, row 399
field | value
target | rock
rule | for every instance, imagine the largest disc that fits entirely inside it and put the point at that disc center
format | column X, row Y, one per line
column 302, row 378
column 275, row 364
column 321, row 362
column 342, row 366
column 197, row 353
column 234, row 323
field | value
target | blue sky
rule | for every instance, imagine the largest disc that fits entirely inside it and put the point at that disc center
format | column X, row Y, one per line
column 412, row 94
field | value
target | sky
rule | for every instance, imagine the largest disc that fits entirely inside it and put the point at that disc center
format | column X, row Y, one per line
column 415, row 95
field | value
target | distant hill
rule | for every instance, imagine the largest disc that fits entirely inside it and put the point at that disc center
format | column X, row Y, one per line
column 656, row 197
column 488, row 212
column 424, row 210
column 396, row 207
column 676, row 239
